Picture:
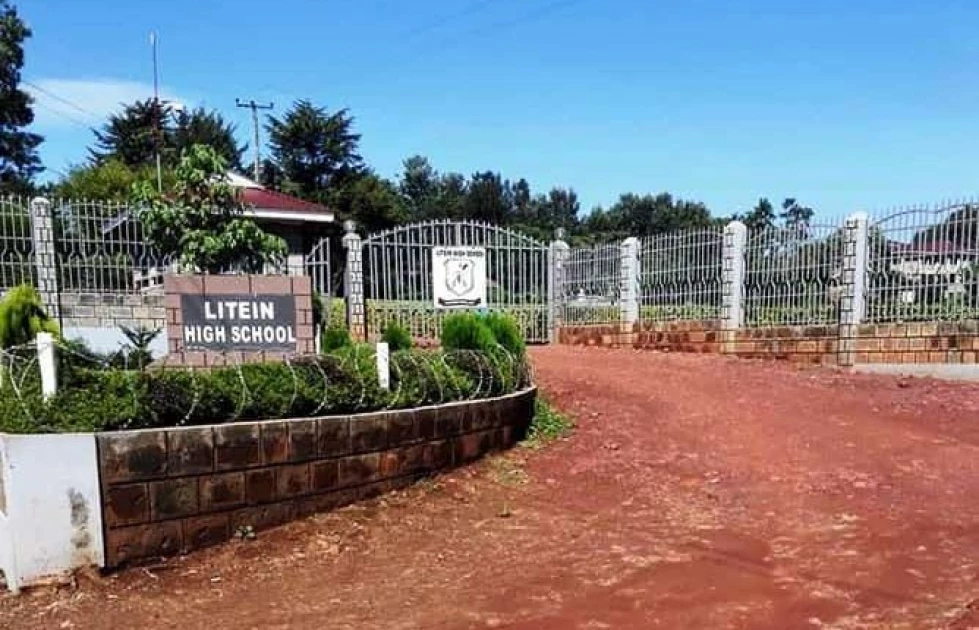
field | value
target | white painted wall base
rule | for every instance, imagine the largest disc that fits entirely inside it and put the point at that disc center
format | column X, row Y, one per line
column 50, row 510
column 950, row 371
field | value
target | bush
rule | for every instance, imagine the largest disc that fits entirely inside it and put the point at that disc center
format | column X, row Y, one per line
column 507, row 333
column 466, row 331
column 397, row 337
column 22, row 316
column 335, row 338
column 95, row 397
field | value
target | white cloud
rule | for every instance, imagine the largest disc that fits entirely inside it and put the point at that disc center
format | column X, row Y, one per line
column 73, row 102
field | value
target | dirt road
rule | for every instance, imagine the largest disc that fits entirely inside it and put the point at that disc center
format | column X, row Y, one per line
column 697, row 492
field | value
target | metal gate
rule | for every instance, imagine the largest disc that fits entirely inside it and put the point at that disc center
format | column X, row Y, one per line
column 398, row 276
column 316, row 265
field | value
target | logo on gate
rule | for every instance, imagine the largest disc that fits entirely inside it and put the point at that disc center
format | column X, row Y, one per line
column 460, row 278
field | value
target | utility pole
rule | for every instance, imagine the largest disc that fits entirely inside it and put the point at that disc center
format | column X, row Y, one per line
column 252, row 105
column 156, row 115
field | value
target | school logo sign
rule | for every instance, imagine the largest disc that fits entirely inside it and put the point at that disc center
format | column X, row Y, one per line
column 459, row 277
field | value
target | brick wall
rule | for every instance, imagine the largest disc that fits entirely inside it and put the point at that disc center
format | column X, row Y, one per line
column 94, row 310
column 173, row 490
column 953, row 343
column 175, row 286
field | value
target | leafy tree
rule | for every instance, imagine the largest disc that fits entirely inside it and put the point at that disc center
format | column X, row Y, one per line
column 111, row 180
column 132, row 136
column 201, row 221
column 419, row 186
column 19, row 162
column 761, row 216
column 372, row 201
column 452, row 194
column 315, row 151
column 796, row 215
column 489, row 198
column 200, row 126
column 635, row 215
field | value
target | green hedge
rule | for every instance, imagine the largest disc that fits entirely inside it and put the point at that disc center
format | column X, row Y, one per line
column 345, row 381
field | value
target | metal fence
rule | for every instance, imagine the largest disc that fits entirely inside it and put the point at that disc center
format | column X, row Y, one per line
column 591, row 289
column 18, row 264
column 793, row 275
column 100, row 248
column 681, row 275
column 398, row 271
column 923, row 264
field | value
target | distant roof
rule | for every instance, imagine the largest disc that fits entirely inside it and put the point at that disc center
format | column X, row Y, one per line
column 269, row 204
column 933, row 248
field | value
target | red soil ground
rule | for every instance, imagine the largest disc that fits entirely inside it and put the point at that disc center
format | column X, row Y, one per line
column 696, row 492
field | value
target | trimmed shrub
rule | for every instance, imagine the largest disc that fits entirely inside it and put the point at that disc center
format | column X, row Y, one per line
column 335, row 338
column 342, row 382
column 466, row 331
column 507, row 333
column 22, row 316
column 397, row 337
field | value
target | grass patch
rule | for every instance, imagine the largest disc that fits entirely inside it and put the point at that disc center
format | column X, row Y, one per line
column 548, row 424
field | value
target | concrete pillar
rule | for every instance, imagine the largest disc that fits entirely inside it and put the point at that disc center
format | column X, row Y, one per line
column 42, row 233
column 732, row 284
column 733, row 275
column 556, row 260
column 353, row 282
column 853, row 291
column 629, row 273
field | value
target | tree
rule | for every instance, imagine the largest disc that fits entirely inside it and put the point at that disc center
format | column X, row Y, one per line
column 133, row 135
column 19, row 162
column 796, row 215
column 489, row 199
column 199, row 126
column 419, row 187
column 372, row 202
column 761, row 216
column 315, row 150
column 111, row 180
column 201, row 222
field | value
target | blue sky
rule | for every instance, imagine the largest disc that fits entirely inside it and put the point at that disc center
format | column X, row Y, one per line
column 847, row 105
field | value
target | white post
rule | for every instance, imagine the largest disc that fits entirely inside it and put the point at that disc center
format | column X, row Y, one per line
column 353, row 282
column 42, row 234
column 383, row 365
column 853, row 298
column 732, row 298
column 47, row 364
column 629, row 282
column 855, row 270
column 557, row 259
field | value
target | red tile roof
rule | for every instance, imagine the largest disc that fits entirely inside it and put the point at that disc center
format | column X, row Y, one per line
column 263, row 199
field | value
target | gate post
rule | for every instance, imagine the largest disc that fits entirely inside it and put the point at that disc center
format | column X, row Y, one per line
column 853, row 299
column 557, row 256
column 353, row 282
column 629, row 285
column 732, row 282
column 42, row 234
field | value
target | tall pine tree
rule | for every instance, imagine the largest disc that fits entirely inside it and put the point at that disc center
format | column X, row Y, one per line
column 19, row 162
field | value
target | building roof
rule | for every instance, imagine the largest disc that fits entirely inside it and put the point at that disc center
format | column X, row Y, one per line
column 272, row 205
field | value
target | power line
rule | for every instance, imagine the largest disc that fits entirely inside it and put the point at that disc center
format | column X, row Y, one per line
column 60, row 99
column 63, row 114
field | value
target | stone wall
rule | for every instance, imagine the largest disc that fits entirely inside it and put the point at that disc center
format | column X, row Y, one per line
column 901, row 343
column 168, row 491
column 94, row 310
